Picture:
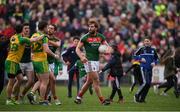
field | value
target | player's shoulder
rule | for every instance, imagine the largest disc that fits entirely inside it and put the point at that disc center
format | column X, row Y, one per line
column 35, row 35
column 100, row 34
column 85, row 36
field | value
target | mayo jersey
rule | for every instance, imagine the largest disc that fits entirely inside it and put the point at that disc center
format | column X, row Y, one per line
column 17, row 46
column 38, row 54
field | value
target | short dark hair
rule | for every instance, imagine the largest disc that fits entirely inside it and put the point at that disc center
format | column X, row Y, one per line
column 55, row 27
column 42, row 25
column 75, row 38
column 18, row 28
column 93, row 21
column 25, row 24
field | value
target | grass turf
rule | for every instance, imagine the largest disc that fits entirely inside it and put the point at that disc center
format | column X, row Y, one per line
column 91, row 103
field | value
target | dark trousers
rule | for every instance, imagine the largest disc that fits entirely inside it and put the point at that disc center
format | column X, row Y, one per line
column 2, row 72
column 116, row 88
column 145, row 86
column 171, row 82
column 70, row 81
column 137, row 77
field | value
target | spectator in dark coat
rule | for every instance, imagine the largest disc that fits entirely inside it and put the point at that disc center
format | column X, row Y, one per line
column 4, row 42
column 169, row 73
column 116, row 71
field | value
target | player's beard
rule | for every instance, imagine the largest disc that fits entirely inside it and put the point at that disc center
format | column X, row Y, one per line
column 92, row 32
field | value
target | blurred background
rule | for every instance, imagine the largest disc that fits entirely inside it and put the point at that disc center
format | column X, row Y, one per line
column 125, row 22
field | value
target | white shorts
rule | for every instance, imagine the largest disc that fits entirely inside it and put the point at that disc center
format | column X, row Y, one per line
column 51, row 67
column 26, row 67
column 91, row 66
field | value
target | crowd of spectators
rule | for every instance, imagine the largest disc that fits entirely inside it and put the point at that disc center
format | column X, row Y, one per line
column 125, row 22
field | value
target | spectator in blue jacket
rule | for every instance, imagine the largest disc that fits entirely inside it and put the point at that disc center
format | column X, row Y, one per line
column 148, row 58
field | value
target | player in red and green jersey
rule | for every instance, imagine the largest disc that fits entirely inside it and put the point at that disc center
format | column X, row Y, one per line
column 40, row 50
column 54, row 44
column 17, row 46
column 91, row 42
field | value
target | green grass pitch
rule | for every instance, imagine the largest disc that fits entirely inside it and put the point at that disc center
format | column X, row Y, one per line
column 91, row 103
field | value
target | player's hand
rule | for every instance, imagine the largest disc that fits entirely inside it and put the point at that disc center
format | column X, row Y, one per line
column 67, row 63
column 100, row 72
column 56, row 56
column 84, row 59
column 124, row 73
column 40, row 37
column 143, row 60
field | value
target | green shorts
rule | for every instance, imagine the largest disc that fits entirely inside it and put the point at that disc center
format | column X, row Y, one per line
column 41, row 67
column 12, row 67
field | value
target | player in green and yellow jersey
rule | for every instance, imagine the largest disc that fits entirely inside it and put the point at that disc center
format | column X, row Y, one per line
column 17, row 46
column 40, row 50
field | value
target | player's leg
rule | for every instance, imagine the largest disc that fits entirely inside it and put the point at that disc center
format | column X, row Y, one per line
column 11, row 68
column 35, row 87
column 17, row 85
column 52, row 81
column 44, row 81
column 83, row 89
column 30, row 78
column 9, row 88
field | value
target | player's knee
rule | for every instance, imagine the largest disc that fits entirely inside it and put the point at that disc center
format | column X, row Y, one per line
column 96, row 81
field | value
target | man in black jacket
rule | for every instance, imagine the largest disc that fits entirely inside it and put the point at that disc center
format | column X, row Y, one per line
column 70, row 57
column 4, row 43
column 116, row 71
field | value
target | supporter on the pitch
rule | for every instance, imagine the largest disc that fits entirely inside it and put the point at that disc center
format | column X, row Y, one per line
column 70, row 57
column 137, row 77
column 169, row 73
column 148, row 58
column 116, row 71
column 4, row 42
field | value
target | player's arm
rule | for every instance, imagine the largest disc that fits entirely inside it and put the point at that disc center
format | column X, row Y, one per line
column 56, row 44
column 46, row 48
column 49, row 52
column 79, row 52
column 37, row 38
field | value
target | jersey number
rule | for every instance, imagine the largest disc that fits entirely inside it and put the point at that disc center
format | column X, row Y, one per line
column 36, row 47
column 14, row 47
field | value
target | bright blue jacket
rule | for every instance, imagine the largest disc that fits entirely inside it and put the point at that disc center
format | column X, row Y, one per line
column 149, row 54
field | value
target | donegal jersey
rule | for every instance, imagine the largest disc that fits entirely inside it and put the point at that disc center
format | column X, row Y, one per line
column 17, row 46
column 53, row 49
column 91, row 45
column 38, row 54
column 81, row 69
